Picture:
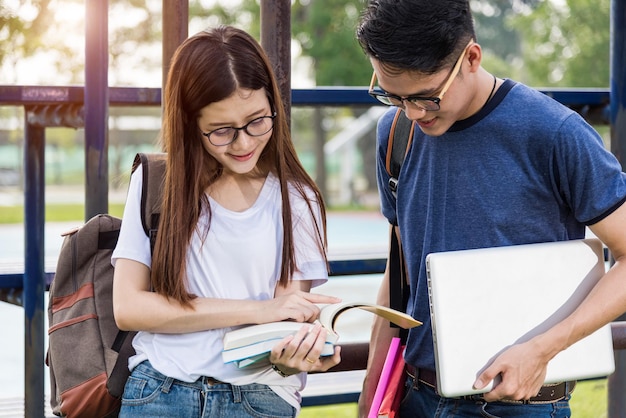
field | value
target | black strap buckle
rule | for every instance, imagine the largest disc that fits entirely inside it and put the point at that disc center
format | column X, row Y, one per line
column 393, row 186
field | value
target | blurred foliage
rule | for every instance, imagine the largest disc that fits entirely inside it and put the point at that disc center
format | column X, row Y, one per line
column 549, row 43
column 20, row 37
column 325, row 31
column 32, row 27
column 542, row 43
column 566, row 45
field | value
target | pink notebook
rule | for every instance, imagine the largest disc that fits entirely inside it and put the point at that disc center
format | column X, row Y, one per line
column 395, row 389
column 385, row 375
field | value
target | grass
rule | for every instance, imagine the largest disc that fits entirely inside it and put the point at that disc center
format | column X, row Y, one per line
column 348, row 410
column 74, row 212
column 54, row 212
column 589, row 400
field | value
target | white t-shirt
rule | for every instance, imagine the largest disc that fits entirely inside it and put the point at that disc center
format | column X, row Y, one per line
column 239, row 259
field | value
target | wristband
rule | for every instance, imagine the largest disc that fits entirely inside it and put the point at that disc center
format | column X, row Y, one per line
column 277, row 370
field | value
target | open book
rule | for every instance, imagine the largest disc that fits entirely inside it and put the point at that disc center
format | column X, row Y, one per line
column 251, row 344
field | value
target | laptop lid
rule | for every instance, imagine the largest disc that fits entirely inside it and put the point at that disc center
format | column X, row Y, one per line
column 484, row 300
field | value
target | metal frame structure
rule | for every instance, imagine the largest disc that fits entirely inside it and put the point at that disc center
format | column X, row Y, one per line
column 88, row 107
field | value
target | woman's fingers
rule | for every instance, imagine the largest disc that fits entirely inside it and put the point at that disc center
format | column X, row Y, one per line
column 303, row 350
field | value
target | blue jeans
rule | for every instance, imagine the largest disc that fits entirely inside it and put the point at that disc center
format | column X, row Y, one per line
column 148, row 393
column 421, row 400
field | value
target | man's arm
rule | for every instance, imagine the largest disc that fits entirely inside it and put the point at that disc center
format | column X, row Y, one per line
column 381, row 336
column 523, row 366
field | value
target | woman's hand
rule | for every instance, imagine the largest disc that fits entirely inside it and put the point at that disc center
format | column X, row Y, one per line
column 301, row 352
column 297, row 305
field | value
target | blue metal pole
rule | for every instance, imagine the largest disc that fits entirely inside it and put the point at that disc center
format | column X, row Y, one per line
column 617, row 382
column 96, row 108
column 34, row 209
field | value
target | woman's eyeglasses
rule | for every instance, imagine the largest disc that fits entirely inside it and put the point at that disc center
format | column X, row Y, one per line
column 424, row 103
column 227, row 135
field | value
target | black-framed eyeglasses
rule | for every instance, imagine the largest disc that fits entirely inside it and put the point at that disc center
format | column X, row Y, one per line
column 424, row 103
column 227, row 135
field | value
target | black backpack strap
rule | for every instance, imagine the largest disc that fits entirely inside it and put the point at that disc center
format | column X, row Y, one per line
column 153, row 168
column 123, row 345
column 398, row 279
column 400, row 137
column 153, row 172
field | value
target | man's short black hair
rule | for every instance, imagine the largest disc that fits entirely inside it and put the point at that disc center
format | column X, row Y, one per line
column 416, row 35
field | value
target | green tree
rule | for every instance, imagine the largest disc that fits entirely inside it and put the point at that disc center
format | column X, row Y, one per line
column 490, row 17
column 325, row 31
column 500, row 42
column 566, row 43
column 244, row 14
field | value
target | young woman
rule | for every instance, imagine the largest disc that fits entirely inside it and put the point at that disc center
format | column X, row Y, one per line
column 241, row 240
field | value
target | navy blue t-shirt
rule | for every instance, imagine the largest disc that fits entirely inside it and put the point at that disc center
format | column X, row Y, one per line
column 524, row 169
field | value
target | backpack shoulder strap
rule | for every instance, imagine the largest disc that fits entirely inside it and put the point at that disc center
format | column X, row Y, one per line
column 400, row 137
column 398, row 279
column 153, row 169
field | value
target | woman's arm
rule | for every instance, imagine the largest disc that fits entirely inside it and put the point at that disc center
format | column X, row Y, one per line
column 137, row 308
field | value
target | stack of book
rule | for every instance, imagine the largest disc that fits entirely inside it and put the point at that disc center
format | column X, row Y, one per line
column 251, row 345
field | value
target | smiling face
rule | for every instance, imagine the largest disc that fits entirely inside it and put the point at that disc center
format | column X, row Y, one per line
column 240, row 157
column 406, row 83
column 459, row 83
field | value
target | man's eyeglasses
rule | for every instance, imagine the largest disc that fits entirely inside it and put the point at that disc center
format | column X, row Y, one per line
column 424, row 103
column 256, row 127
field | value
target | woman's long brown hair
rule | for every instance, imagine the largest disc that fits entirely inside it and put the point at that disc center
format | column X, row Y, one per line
column 206, row 68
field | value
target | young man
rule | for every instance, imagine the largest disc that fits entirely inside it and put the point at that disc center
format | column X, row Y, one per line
column 493, row 163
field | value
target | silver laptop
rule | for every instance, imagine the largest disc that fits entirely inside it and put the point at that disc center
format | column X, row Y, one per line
column 484, row 300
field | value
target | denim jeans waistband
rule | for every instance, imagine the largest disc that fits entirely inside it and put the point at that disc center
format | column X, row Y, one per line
column 201, row 383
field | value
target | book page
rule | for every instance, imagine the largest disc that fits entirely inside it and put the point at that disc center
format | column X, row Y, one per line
column 330, row 313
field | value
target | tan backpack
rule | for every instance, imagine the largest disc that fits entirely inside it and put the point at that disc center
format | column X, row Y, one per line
column 87, row 353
